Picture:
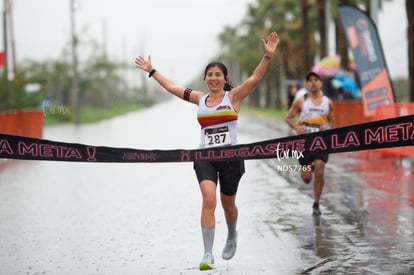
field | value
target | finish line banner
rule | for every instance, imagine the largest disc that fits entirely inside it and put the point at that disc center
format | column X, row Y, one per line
column 395, row 132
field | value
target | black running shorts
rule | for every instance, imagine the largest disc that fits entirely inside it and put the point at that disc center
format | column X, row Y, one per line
column 228, row 173
column 309, row 158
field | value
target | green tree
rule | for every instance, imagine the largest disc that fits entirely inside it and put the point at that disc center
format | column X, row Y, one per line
column 322, row 27
column 286, row 17
column 100, row 80
column 298, row 23
column 53, row 77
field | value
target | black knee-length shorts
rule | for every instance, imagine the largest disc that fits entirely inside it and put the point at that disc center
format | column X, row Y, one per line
column 309, row 158
column 227, row 173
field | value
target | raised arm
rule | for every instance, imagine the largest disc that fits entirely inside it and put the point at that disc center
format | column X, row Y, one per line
column 239, row 93
column 167, row 84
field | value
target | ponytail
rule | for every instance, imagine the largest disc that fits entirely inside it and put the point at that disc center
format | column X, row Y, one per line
column 227, row 86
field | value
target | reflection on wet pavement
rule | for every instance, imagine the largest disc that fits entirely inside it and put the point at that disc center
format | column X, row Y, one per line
column 367, row 226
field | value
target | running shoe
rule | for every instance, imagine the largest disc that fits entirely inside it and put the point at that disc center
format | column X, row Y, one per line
column 316, row 212
column 229, row 249
column 207, row 262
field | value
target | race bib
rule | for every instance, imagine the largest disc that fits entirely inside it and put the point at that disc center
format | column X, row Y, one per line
column 214, row 137
column 312, row 129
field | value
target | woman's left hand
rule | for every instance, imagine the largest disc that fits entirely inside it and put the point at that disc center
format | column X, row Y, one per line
column 271, row 43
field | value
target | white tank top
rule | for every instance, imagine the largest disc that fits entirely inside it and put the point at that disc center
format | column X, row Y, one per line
column 218, row 123
column 312, row 115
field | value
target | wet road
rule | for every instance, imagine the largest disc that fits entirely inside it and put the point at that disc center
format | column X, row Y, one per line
column 83, row 218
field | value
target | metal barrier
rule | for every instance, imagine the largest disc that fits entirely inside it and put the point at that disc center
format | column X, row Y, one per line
column 349, row 113
column 352, row 112
column 390, row 111
column 27, row 123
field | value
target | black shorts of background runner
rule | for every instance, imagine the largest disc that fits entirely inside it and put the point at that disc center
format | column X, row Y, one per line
column 228, row 173
column 307, row 159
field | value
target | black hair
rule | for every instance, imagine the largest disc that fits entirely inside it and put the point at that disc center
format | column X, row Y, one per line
column 314, row 74
column 222, row 67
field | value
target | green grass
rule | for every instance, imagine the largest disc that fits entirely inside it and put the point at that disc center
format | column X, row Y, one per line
column 91, row 114
column 95, row 114
column 265, row 112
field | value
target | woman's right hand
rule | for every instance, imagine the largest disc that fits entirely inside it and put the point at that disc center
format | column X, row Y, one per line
column 144, row 64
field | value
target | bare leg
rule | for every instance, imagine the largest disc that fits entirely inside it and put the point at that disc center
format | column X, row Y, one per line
column 230, row 208
column 208, row 191
column 231, row 213
column 306, row 175
column 319, row 179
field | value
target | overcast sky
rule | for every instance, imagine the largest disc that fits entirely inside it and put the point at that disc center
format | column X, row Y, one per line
column 180, row 35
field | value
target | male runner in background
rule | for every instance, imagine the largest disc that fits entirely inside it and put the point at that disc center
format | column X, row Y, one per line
column 315, row 114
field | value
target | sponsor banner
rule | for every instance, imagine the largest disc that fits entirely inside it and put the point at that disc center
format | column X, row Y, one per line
column 395, row 132
column 363, row 39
